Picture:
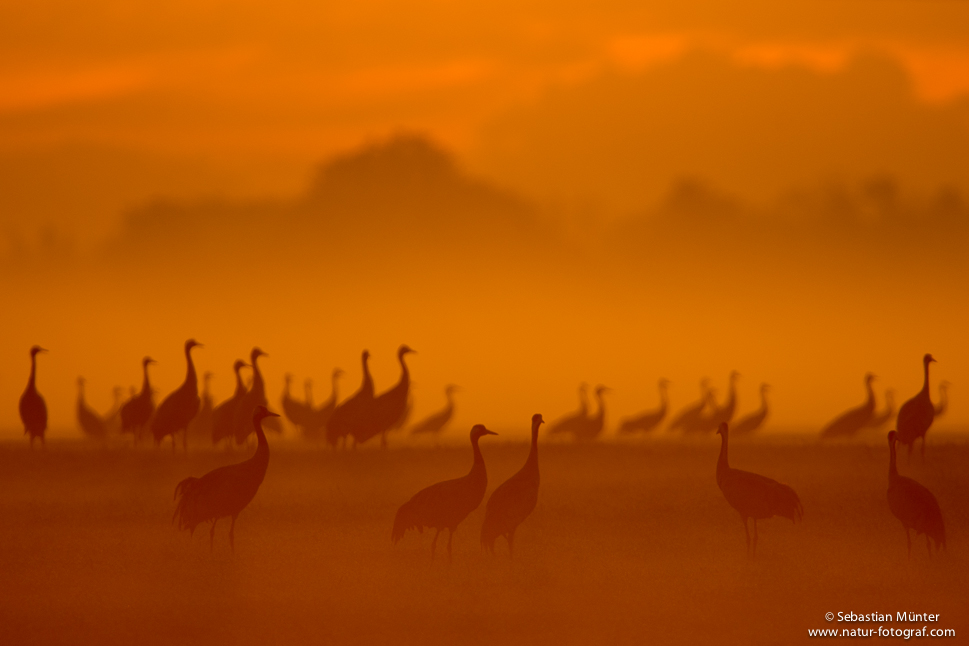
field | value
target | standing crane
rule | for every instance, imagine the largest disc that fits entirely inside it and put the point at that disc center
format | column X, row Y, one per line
column 224, row 415
column 943, row 404
column 916, row 415
column 201, row 425
column 352, row 412
column 568, row 423
column 319, row 418
column 514, row 499
column 913, row 505
column 137, row 411
column 594, row 424
column 388, row 408
column 295, row 411
column 33, row 409
column 853, row 420
column 253, row 398
column 689, row 416
column 112, row 420
column 92, row 424
column 884, row 417
column 177, row 410
column 435, row 423
column 445, row 504
column 650, row 420
column 226, row 491
column 750, row 423
column 753, row 495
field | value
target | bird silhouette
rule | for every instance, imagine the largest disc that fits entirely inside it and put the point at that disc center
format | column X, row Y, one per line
column 295, row 411
column 514, row 499
column 137, row 411
column 916, row 415
column 435, row 423
column 853, row 420
column 702, row 420
column 943, row 404
column 445, row 504
column 112, row 420
column 753, row 495
column 689, row 415
column 352, row 412
column 201, row 425
column 913, row 504
column 319, row 418
column 253, row 398
column 651, row 419
column 224, row 415
column 593, row 424
column 726, row 412
column 92, row 424
column 388, row 408
column 177, row 410
column 880, row 419
column 33, row 409
column 567, row 424
column 750, row 423
column 226, row 491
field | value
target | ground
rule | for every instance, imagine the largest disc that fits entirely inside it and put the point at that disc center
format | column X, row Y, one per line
column 629, row 544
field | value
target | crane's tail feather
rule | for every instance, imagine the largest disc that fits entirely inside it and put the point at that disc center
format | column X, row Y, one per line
column 404, row 520
column 785, row 502
column 183, row 493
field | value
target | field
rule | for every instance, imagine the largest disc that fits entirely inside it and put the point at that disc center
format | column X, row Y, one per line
column 629, row 544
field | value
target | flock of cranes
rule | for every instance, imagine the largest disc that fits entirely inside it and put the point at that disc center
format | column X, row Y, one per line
column 226, row 491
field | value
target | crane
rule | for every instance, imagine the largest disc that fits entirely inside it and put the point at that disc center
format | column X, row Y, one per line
column 753, row 495
column 295, row 411
column 226, row 491
column 884, row 417
column 319, row 418
column 224, row 415
column 388, row 408
column 688, row 417
column 514, row 499
column 92, row 424
column 916, row 415
column 750, row 423
column 201, row 425
column 354, row 410
column 943, row 404
column 650, row 420
column 253, row 398
column 569, row 423
column 137, row 411
column 177, row 410
column 913, row 505
column 445, row 504
column 33, row 409
column 853, row 420
column 435, row 423
column 593, row 424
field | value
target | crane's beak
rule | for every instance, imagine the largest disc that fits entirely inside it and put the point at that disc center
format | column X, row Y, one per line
column 487, row 432
column 271, row 414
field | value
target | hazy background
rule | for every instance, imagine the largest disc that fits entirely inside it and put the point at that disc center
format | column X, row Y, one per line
column 531, row 195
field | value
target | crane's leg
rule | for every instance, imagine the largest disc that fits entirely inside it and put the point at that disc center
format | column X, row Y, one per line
column 908, row 537
column 747, row 532
column 755, row 538
column 212, row 535
column 450, row 535
column 511, row 544
column 232, row 534
column 434, row 542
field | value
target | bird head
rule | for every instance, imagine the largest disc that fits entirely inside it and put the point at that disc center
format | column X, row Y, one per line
column 450, row 389
column 192, row 343
column 80, row 383
column 405, row 349
column 722, row 430
column 734, row 375
column 537, row 421
column 478, row 430
column 664, row 383
column 600, row 390
column 928, row 358
column 288, row 379
column 765, row 388
column 337, row 373
column 870, row 377
column 262, row 413
column 147, row 361
column 365, row 355
column 892, row 437
column 239, row 365
column 35, row 350
column 255, row 354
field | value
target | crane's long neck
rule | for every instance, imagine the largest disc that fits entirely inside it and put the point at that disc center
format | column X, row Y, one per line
column 367, row 386
column 925, row 383
column 601, row 414
column 722, row 464
column 258, row 385
column 664, row 399
column 871, row 394
column 478, row 467
column 190, row 377
column 532, row 461
column 240, row 386
column 333, row 390
column 763, row 400
column 33, row 372
column 450, row 403
column 892, row 469
column 261, row 455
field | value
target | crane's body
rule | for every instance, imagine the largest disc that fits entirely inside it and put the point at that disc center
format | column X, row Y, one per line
column 33, row 408
column 649, row 420
column 913, row 505
column 917, row 414
column 688, row 417
column 178, row 409
column 92, row 424
column 880, row 419
column 853, row 420
column 224, row 415
column 319, row 418
column 445, row 505
column 514, row 499
column 353, row 412
column 750, row 423
column 435, row 423
column 295, row 411
column 387, row 409
column 754, row 496
column 570, row 423
column 226, row 491
column 137, row 411
column 251, row 400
